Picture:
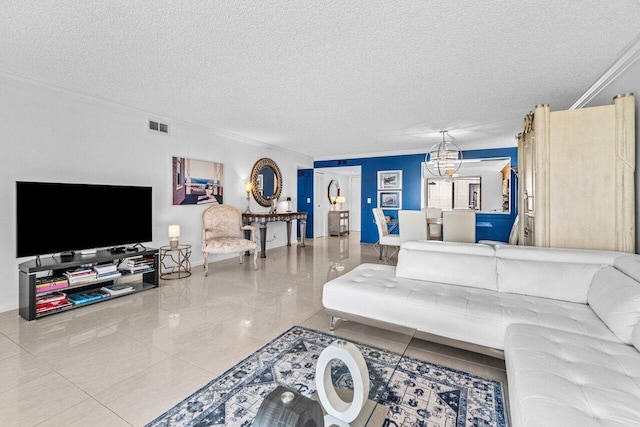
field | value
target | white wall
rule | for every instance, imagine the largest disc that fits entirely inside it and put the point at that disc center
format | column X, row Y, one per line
column 347, row 189
column 355, row 204
column 51, row 135
column 627, row 81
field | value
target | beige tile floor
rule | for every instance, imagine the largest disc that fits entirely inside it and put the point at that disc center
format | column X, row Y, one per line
column 126, row 361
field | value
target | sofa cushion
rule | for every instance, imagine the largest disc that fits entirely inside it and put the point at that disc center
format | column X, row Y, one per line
column 472, row 265
column 478, row 316
column 615, row 297
column 559, row 378
column 370, row 290
column 629, row 264
column 635, row 336
column 562, row 274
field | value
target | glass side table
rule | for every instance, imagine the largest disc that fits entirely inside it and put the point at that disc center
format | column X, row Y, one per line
column 174, row 262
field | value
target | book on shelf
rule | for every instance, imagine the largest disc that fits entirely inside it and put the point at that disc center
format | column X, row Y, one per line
column 51, row 298
column 139, row 259
column 51, row 284
column 102, row 269
column 74, row 281
column 50, row 307
column 140, row 268
column 110, row 275
column 117, row 289
column 80, row 271
column 89, row 296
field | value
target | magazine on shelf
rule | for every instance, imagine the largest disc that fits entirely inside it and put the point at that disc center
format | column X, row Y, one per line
column 117, row 289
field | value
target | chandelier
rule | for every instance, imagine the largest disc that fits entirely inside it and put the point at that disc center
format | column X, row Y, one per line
column 443, row 159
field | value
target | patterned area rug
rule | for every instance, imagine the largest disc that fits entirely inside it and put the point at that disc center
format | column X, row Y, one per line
column 419, row 394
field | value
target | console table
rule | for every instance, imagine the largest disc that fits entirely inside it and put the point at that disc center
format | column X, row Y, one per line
column 264, row 218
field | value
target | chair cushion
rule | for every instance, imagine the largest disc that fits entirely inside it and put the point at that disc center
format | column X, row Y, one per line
column 559, row 378
column 224, row 245
column 615, row 297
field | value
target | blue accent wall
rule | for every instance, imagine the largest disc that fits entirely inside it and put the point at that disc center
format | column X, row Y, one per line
column 305, row 191
column 410, row 165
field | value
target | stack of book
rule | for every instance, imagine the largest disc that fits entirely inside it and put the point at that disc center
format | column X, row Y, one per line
column 47, row 284
column 140, row 264
column 108, row 270
column 80, row 275
column 117, row 289
column 51, row 302
column 88, row 296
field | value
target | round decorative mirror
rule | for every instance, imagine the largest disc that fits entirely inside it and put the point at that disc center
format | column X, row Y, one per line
column 333, row 191
column 266, row 181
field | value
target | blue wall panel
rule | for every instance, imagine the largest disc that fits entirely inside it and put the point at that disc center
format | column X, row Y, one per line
column 305, row 192
column 411, row 189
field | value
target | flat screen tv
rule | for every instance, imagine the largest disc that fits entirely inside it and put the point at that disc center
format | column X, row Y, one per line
column 55, row 217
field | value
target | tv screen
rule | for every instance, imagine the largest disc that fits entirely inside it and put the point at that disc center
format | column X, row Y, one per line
column 54, row 217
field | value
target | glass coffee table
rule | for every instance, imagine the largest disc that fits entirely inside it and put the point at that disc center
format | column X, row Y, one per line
column 382, row 347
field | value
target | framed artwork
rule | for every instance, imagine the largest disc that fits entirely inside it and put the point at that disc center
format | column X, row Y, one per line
column 196, row 182
column 390, row 199
column 390, row 180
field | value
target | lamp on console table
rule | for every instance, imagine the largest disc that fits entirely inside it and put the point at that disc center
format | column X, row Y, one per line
column 339, row 201
column 174, row 233
column 248, row 187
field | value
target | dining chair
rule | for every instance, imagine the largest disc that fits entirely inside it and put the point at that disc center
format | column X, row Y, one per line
column 459, row 225
column 513, row 235
column 434, row 223
column 384, row 238
column 413, row 225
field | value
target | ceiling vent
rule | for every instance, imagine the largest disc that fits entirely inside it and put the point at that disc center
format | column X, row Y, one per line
column 159, row 127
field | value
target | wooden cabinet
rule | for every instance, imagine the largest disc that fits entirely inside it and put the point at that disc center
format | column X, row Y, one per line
column 576, row 171
column 338, row 223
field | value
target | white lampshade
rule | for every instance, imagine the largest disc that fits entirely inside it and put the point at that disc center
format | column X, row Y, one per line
column 340, row 199
column 174, row 231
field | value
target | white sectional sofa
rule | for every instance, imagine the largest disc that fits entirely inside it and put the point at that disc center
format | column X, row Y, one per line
column 567, row 320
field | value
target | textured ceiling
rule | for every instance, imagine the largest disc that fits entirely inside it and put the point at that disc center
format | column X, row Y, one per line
column 329, row 78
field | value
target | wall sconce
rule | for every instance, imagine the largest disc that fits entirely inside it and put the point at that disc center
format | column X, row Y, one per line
column 340, row 200
column 247, row 188
column 174, row 233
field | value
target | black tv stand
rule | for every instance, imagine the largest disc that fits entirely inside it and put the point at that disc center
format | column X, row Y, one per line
column 136, row 247
column 56, row 266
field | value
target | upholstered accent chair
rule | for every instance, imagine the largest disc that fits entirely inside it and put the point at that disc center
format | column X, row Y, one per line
column 222, row 233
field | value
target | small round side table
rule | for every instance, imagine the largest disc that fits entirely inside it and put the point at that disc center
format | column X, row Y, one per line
column 179, row 265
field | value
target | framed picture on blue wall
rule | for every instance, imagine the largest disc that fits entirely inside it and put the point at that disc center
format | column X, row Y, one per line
column 390, row 180
column 390, row 199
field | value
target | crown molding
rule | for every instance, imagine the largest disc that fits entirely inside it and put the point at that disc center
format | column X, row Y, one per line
column 628, row 56
column 97, row 100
